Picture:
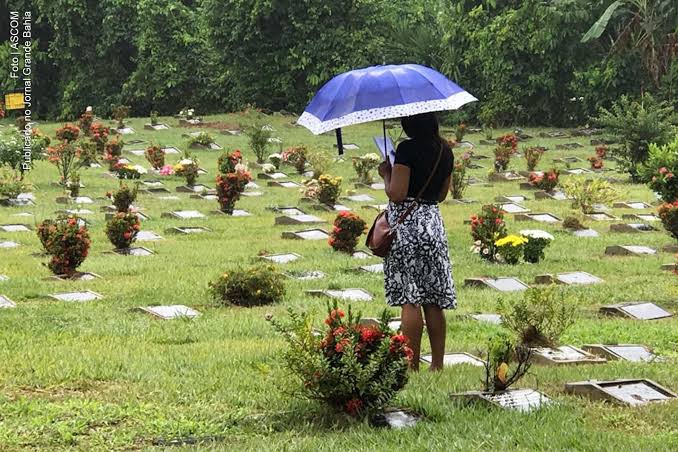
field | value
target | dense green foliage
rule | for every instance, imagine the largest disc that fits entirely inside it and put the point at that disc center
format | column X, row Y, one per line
column 524, row 60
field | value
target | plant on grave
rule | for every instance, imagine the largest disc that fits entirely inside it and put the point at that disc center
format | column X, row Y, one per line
column 329, row 188
column 540, row 317
column 459, row 182
column 511, row 248
column 11, row 183
column 636, row 124
column 230, row 186
column 533, row 250
column 73, row 185
column 258, row 135
column 501, row 351
column 66, row 241
column 201, row 139
column 532, row 156
column 596, row 162
column 356, row 369
column 506, row 147
column 347, row 228
column 296, row 156
column 228, row 161
column 122, row 229
column 68, row 133
column 320, row 161
column 113, row 152
column 155, row 156
column 188, row 169
column 120, row 113
column 11, row 150
column 187, row 113
column 459, row 132
column 573, row 223
column 88, row 153
column 124, row 196
column 275, row 159
column 586, row 193
column 601, row 151
column 547, row 181
column 364, row 165
column 311, row 189
column 154, row 118
column 40, row 143
column 668, row 213
column 486, row 228
column 254, row 286
column 85, row 122
column 66, row 157
column 99, row 136
column 661, row 170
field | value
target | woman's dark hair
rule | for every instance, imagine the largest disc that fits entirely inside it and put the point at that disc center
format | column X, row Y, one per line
column 423, row 126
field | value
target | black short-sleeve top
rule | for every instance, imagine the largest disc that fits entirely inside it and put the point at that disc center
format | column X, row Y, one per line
column 420, row 156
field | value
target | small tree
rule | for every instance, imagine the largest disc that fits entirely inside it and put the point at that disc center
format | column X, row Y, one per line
column 587, row 193
column 258, row 135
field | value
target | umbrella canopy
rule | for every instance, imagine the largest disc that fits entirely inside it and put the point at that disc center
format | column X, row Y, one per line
column 381, row 92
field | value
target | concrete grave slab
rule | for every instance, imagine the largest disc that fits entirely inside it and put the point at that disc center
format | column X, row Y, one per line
column 374, row 268
column 148, row 236
column 501, row 284
column 281, row 258
column 156, row 127
column 453, row 359
column 171, row 312
column 8, row 244
column 629, row 250
column 138, row 251
column 638, row 311
column 632, row 228
column 555, row 195
column 511, row 198
column 632, row 392
column 183, row 214
column 15, row 228
column 361, row 255
column 137, row 152
column 540, row 217
column 298, row 219
column 198, row 188
column 171, row 150
column 622, row 352
column 505, row 176
column 333, row 208
column 189, row 230
column 4, row 278
column 488, row 318
column 78, row 276
column 510, row 207
column 650, row 217
column 564, row 354
column 523, row 400
column 306, row 275
column 536, row 234
column 272, row 176
column 601, row 216
column 284, row 184
column 6, row 303
column 79, row 297
column 586, row 233
column 353, row 294
column 577, row 171
column 396, row 419
column 637, row 205
column 251, row 194
column 360, row 198
column 307, row 234
column 377, row 207
column 125, row 130
column 569, row 278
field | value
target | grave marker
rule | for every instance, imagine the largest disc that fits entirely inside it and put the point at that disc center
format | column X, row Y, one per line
column 396, row 419
column 8, row 244
column 343, row 294
column 570, row 278
column 631, row 228
column 148, row 236
column 171, row 150
column 564, row 354
column 632, row 392
column 15, row 228
column 360, row 198
column 540, row 217
column 183, row 214
column 198, row 188
column 138, row 251
column 4, row 278
column 284, row 184
column 6, row 303
column 638, row 205
column 80, row 297
column 641, row 217
column 511, row 198
column 189, row 230
column 488, row 318
column 374, row 268
column 281, row 258
column 505, row 176
column 78, row 276
column 287, row 220
column 511, row 207
column 629, row 250
column 361, row 255
column 638, row 311
column 585, row 233
column 307, row 234
column 305, row 275
column 272, row 176
column 601, row 216
column 171, row 312
column 453, row 359
column 523, row 400
column 501, row 284
column 622, row 352
column 555, row 195
column 156, row 127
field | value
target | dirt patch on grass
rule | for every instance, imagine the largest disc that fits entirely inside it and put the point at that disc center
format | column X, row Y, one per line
column 218, row 125
column 65, row 390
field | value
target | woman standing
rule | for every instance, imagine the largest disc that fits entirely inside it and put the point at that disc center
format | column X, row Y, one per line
column 417, row 269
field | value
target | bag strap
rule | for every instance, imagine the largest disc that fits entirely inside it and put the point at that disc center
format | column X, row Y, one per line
column 414, row 204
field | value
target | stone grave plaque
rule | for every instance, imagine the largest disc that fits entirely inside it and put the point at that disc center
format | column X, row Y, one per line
column 641, row 217
column 15, row 228
column 171, row 312
column 137, row 152
column 511, row 198
column 624, row 352
column 189, row 230
column 284, row 184
column 87, row 295
column 489, row 318
column 289, row 211
column 524, row 400
column 631, row 228
column 78, row 276
column 396, row 419
column 536, row 234
column 361, row 255
column 138, row 251
column 640, row 311
column 601, row 216
column 183, row 214
column 4, row 278
column 555, row 195
column 308, row 234
column 251, row 194
column 8, row 244
column 377, row 207
column 585, row 233
column 637, row 205
column 305, row 275
column 125, row 130
column 540, row 217
column 233, row 132
column 511, row 207
column 453, row 359
column 251, row 185
column 153, row 190
column 360, row 198
column 581, row 278
column 156, row 127
column 272, row 176
column 577, row 171
column 501, row 284
column 198, row 188
column 171, row 150
column 564, row 354
column 148, row 236
column 343, row 294
column 22, row 214
column 6, row 303
column 632, row 392
column 374, row 268
column 505, row 176
column 332, row 208
column 299, row 219
column 377, row 186
column 78, row 212
column 629, row 250
column 281, row 258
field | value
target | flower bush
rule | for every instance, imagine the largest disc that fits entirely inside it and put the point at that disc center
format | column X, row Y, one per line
column 66, row 157
column 258, row 135
column 320, row 162
column 511, row 248
column 532, row 156
column 665, row 183
column 120, row 113
column 99, row 133
column 68, row 133
column 502, row 349
column 547, row 181
column 348, row 227
column 533, row 250
column 329, row 189
column 354, row 368
column 363, row 166
column 66, row 241
column 122, row 229
column 228, row 160
column 596, row 162
column 40, row 143
column 486, row 229
column 586, row 193
column 668, row 213
column 127, row 171
column 124, row 197
column 254, row 286
column 11, row 183
column 459, row 182
column 275, row 160
column 188, row 169
column 229, row 188
column 202, row 139
column 506, row 147
column 459, row 132
column 601, row 151
column 155, row 156
column 85, row 122
column 296, row 156
column 311, row 189
column 113, row 152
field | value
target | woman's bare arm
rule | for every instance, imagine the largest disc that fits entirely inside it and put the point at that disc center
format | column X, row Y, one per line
column 396, row 181
column 446, row 189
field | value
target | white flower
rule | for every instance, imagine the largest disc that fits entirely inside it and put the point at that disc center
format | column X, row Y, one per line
column 477, row 243
column 486, row 251
column 186, row 162
column 89, row 109
column 266, row 167
column 536, row 234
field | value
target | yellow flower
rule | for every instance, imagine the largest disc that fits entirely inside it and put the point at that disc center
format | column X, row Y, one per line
column 258, row 292
column 225, row 275
column 513, row 240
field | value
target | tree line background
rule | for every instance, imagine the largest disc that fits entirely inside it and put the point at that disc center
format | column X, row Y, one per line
column 524, row 59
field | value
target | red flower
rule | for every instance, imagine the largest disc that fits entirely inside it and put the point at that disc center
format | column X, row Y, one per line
column 353, row 406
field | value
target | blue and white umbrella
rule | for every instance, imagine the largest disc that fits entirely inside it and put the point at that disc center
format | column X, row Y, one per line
column 381, row 92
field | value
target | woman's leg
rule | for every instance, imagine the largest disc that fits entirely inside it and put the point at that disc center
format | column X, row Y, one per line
column 435, row 326
column 412, row 326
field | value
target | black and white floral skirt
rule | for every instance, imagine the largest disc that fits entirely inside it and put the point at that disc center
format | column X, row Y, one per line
column 417, row 269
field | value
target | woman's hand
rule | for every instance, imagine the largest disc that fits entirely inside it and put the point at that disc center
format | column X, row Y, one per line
column 384, row 169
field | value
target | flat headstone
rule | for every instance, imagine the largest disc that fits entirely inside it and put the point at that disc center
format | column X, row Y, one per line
column 4, row 278
column 505, row 176
column 198, row 188
column 511, row 198
column 189, row 230
column 638, row 205
column 137, row 152
column 396, row 419
column 601, row 216
column 289, row 211
column 251, row 185
column 307, row 234
column 585, row 233
column 564, row 354
column 540, row 217
column 251, row 194
column 125, row 130
column 555, row 195
column 284, row 184
column 360, row 198
column 511, row 207
column 332, row 208
column 623, row 352
column 361, row 255
column 8, row 244
column 377, row 186
column 377, row 207
column 171, row 150
column 524, row 400
column 536, row 234
column 628, row 250
column 577, row 171
column 632, row 392
column 6, row 303
column 138, row 251
column 78, row 276
column 77, row 200
column 569, row 278
column 171, row 312
column 78, row 212
column 641, row 217
column 298, row 219
column 183, row 214
column 152, row 183
column 632, row 228
column 639, row 311
column 306, row 275
column 148, row 236
column 374, row 268
column 453, row 359
column 154, row 190
column 488, row 318
column 281, row 258
column 156, row 126
column 500, row 284
column 87, row 295
column 15, row 228
column 343, row 294
column 272, row 176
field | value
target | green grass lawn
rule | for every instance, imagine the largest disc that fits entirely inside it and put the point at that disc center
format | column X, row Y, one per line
column 100, row 376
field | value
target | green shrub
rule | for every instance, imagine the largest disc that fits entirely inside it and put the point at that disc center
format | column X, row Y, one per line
column 11, row 183
column 661, row 168
column 501, row 350
column 586, row 193
column 202, row 138
column 320, row 161
column 258, row 135
column 254, row 286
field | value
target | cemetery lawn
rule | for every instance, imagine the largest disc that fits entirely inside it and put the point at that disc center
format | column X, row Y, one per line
column 101, row 376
